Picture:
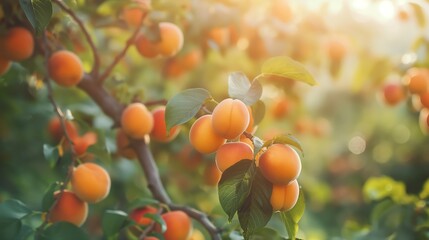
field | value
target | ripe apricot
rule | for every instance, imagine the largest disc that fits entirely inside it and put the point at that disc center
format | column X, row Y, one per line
column 424, row 98
column 123, row 145
column 69, row 208
column 393, row 94
column 230, row 118
column 280, row 108
column 90, row 182
column 17, row 44
column 179, row 225
column 191, row 59
column 203, row 137
column 56, row 131
column 134, row 13
column 65, row 68
column 81, row 144
column 171, row 39
column 284, row 197
column 4, row 65
column 247, row 141
column 280, row 164
column 251, row 127
column 427, row 120
column 145, row 47
column 417, row 80
column 231, row 153
column 219, row 35
column 159, row 131
column 173, row 69
column 137, row 121
column 138, row 215
column 212, row 175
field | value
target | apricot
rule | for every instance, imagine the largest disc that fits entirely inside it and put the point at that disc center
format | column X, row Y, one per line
column 123, row 145
column 203, row 137
column 138, row 215
column 4, row 65
column 69, row 208
column 56, row 131
column 197, row 235
column 282, row 11
column 424, row 98
column 212, row 175
column 133, row 14
column 159, row 131
column 280, row 164
column 145, row 47
column 219, row 35
column 230, row 118
column 427, row 120
column 284, row 197
column 179, row 225
column 190, row 158
column 393, row 94
column 65, row 68
column 251, row 127
column 417, row 80
column 280, row 108
column 81, row 144
column 171, row 39
column 173, row 69
column 247, row 141
column 191, row 59
column 17, row 44
column 337, row 48
column 137, row 121
column 90, row 182
column 230, row 153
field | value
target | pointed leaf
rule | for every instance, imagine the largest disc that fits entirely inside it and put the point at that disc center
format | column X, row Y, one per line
column 298, row 210
column 287, row 68
column 63, row 231
column 48, row 198
column 184, row 106
column 257, row 143
column 419, row 13
column 239, row 87
column 286, row 139
column 291, row 226
column 13, row 209
column 113, row 221
column 38, row 13
column 234, row 186
column 258, row 111
column 158, row 219
column 50, row 153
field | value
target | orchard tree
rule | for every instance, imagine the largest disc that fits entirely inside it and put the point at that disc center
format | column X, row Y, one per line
column 62, row 47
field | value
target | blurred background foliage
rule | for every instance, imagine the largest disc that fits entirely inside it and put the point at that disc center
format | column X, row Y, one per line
column 365, row 167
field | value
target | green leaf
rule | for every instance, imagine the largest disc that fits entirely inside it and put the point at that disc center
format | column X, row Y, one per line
column 184, row 106
column 234, row 186
column 24, row 233
column 113, row 221
column 13, row 209
column 425, row 191
column 63, row 231
column 256, row 211
column 141, row 202
column 380, row 210
column 419, row 13
column 257, row 143
column 38, row 13
column 63, row 163
column 158, row 219
column 288, row 139
column 258, row 111
column 298, row 210
column 10, row 228
column 290, row 224
column 48, row 198
column 239, row 87
column 265, row 233
column 50, row 153
column 286, row 68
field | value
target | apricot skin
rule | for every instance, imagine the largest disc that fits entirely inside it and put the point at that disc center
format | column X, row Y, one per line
column 280, row 164
column 393, row 94
column 179, row 225
column 159, row 131
column 56, row 131
column 212, row 175
column 202, row 136
column 417, row 80
column 65, row 68
column 82, row 143
column 424, row 98
column 90, row 182
column 171, row 39
column 427, row 120
column 230, row 118
column 230, row 153
column 284, row 197
column 69, row 208
column 137, row 121
column 17, row 44
column 145, row 47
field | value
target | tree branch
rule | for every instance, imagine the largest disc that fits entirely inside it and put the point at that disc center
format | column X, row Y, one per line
column 70, row 12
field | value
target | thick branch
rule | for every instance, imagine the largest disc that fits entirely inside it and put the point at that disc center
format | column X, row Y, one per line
column 70, row 12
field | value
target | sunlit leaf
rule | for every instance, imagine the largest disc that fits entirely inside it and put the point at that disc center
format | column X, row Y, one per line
column 184, row 106
column 290, row 224
column 258, row 112
column 287, row 68
column 239, row 87
column 425, row 191
column 419, row 13
column 298, row 210
column 288, row 139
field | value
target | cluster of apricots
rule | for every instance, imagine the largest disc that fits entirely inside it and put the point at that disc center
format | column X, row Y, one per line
column 179, row 224
column 17, row 44
column 416, row 84
column 138, row 123
column 223, row 132
column 90, row 183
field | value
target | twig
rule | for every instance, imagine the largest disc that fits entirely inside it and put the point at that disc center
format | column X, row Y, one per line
column 70, row 12
column 121, row 54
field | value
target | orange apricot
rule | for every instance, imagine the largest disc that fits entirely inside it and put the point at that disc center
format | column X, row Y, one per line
column 179, row 225
column 69, row 208
column 230, row 118
column 138, row 215
column 284, row 197
column 417, row 80
column 197, row 235
column 134, row 13
column 56, row 131
column 17, row 44
column 212, row 175
column 280, row 108
column 145, row 47
column 219, row 35
column 171, row 39
column 4, row 65
column 247, row 141
column 251, row 127
column 190, row 158
column 159, row 131
column 173, row 69
column 137, row 121
column 90, row 182
column 81, row 144
column 427, row 120
column 280, row 164
column 230, row 153
column 337, row 48
column 393, row 94
column 191, row 59
column 424, row 98
column 123, row 145
column 203, row 137
column 65, row 68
